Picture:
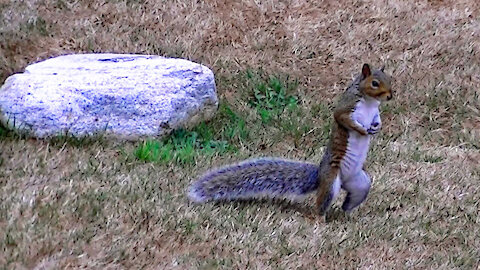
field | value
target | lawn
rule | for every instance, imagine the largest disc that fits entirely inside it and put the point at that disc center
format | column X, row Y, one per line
column 279, row 68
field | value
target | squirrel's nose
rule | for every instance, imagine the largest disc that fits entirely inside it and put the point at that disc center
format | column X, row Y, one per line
column 390, row 96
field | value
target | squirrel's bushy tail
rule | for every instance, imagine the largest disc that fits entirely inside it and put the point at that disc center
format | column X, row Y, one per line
column 256, row 178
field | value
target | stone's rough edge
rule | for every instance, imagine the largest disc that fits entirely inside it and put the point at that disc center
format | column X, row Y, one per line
column 6, row 120
column 199, row 116
column 108, row 60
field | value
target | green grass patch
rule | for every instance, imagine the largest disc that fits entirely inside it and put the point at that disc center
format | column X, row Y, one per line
column 183, row 146
column 277, row 103
column 271, row 95
column 233, row 125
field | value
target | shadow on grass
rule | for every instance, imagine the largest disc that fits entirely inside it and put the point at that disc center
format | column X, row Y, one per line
column 299, row 208
column 280, row 204
column 56, row 141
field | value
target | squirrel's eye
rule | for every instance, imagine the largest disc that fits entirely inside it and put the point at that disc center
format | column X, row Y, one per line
column 375, row 83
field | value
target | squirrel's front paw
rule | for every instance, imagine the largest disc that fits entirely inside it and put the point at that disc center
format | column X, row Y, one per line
column 374, row 128
column 372, row 131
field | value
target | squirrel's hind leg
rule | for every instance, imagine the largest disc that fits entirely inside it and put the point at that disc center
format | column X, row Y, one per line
column 357, row 188
column 327, row 191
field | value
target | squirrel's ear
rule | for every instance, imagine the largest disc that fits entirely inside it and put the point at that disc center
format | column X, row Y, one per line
column 366, row 71
column 382, row 68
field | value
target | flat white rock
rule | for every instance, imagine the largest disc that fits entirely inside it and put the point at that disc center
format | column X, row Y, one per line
column 117, row 95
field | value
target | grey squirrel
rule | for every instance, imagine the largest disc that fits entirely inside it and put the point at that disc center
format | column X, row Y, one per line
column 356, row 117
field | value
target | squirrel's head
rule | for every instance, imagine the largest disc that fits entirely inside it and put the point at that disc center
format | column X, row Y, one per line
column 375, row 84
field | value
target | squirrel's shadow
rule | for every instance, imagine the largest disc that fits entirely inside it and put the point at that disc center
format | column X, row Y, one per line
column 305, row 210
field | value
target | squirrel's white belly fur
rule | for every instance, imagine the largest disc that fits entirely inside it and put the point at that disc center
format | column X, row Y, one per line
column 357, row 144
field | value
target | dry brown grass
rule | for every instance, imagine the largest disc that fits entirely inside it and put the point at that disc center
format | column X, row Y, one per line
column 68, row 206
